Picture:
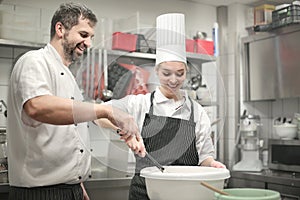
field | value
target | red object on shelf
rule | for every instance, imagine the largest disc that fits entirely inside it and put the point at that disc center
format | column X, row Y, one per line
column 190, row 45
column 204, row 47
column 124, row 41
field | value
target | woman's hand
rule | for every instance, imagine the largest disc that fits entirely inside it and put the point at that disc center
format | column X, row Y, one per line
column 217, row 164
column 210, row 162
column 136, row 146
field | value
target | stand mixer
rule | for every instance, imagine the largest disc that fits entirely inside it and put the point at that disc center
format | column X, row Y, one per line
column 249, row 146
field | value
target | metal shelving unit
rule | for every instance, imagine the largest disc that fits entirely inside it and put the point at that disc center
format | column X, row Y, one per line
column 192, row 57
column 15, row 43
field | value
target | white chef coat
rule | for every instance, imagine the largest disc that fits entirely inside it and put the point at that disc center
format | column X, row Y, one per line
column 139, row 105
column 42, row 154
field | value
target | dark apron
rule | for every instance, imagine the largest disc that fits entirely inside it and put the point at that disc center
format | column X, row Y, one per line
column 170, row 141
column 54, row 192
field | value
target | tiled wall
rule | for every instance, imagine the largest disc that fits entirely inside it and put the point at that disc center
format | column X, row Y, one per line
column 7, row 57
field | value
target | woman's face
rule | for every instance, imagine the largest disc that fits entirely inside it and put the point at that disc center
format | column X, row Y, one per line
column 171, row 77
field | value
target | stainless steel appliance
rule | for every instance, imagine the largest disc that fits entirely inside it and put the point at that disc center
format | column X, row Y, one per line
column 284, row 155
column 248, row 136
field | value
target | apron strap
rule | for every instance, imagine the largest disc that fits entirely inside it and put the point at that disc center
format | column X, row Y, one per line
column 192, row 111
column 151, row 100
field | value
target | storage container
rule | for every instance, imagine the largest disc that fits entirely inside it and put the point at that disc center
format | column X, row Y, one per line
column 204, row 47
column 263, row 14
column 285, row 16
column 124, row 41
column 190, row 45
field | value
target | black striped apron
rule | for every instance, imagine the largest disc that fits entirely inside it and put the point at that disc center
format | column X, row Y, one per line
column 170, row 141
column 54, row 192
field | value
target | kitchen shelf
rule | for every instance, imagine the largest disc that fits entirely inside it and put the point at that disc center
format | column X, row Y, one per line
column 15, row 43
column 191, row 57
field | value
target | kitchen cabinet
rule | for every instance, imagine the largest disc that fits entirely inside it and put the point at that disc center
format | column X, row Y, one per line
column 271, row 64
column 287, row 183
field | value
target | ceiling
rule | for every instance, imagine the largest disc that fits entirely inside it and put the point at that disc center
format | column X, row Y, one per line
column 246, row 2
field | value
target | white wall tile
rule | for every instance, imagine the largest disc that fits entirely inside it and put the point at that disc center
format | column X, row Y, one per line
column 231, row 85
column 6, row 52
column 231, row 106
column 231, row 64
column 277, row 108
column 3, row 92
column 5, row 70
column 263, row 109
column 290, row 106
column 232, row 128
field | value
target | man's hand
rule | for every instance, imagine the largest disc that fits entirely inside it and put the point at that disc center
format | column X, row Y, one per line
column 126, row 124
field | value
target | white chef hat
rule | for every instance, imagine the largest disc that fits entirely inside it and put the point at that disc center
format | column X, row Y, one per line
column 170, row 38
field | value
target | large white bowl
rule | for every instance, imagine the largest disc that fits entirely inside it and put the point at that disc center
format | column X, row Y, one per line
column 286, row 130
column 183, row 182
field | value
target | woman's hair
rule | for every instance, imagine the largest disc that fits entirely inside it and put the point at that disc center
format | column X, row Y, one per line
column 158, row 66
column 69, row 13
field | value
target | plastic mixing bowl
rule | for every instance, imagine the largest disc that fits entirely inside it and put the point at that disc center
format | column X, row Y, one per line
column 248, row 194
column 183, row 182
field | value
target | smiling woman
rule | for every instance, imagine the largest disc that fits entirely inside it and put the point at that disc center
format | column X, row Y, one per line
column 172, row 76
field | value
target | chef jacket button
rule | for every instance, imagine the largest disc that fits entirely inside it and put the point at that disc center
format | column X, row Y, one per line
column 61, row 73
column 91, row 149
column 75, row 124
column 79, row 177
column 88, row 126
column 90, row 176
column 81, row 150
column 72, row 98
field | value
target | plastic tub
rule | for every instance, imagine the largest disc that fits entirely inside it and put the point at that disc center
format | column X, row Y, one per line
column 183, row 182
column 248, row 194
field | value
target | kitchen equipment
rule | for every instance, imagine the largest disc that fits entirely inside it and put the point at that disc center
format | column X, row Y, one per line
column 213, row 188
column 107, row 94
column 248, row 194
column 195, row 82
column 3, row 158
column 183, row 182
column 159, row 166
column 284, row 155
column 286, row 130
column 248, row 136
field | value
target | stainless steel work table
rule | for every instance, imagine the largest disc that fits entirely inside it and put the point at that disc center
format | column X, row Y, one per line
column 287, row 183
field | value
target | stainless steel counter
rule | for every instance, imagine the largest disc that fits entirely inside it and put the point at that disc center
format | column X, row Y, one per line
column 272, row 176
column 104, row 188
column 287, row 183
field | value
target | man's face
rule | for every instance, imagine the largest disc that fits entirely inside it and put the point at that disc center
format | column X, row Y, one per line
column 77, row 40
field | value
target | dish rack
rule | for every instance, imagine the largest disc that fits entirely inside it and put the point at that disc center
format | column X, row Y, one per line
column 286, row 16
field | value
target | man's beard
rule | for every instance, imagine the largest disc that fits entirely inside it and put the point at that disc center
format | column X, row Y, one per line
column 69, row 51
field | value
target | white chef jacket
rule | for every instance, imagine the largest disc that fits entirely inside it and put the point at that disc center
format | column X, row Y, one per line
column 42, row 154
column 139, row 105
